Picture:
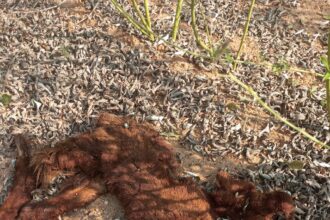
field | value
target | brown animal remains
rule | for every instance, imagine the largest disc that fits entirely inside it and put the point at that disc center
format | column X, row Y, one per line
column 133, row 162
column 239, row 199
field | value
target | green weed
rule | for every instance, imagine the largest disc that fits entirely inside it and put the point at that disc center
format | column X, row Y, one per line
column 5, row 99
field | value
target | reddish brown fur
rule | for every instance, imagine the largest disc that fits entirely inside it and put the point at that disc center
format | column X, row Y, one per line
column 72, row 197
column 24, row 182
column 138, row 167
column 240, row 200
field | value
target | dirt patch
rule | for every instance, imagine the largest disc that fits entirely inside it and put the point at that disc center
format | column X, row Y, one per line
column 68, row 3
column 105, row 207
column 139, row 167
column 250, row 50
column 201, row 167
column 182, row 65
column 130, row 40
column 309, row 15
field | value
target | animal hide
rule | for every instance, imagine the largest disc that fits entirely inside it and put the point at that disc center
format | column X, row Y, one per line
column 133, row 162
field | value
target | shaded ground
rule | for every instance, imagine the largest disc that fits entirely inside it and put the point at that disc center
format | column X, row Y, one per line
column 63, row 66
column 105, row 207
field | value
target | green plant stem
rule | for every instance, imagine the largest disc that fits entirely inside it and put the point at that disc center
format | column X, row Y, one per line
column 146, row 8
column 231, row 75
column 297, row 69
column 327, row 81
column 135, row 23
column 177, row 20
column 145, row 21
column 327, row 86
column 195, row 30
column 263, row 64
column 275, row 113
column 208, row 34
column 210, row 42
column 138, row 11
column 246, row 29
column 257, row 97
column 290, row 69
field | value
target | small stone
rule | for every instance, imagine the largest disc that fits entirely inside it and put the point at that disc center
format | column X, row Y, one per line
column 253, row 156
column 24, row 65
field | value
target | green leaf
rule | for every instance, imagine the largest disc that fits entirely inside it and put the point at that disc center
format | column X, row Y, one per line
column 229, row 58
column 5, row 99
column 232, row 106
column 65, row 51
column 324, row 103
column 280, row 66
column 221, row 49
column 296, row 165
column 326, row 76
column 324, row 61
column 313, row 90
column 326, row 17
